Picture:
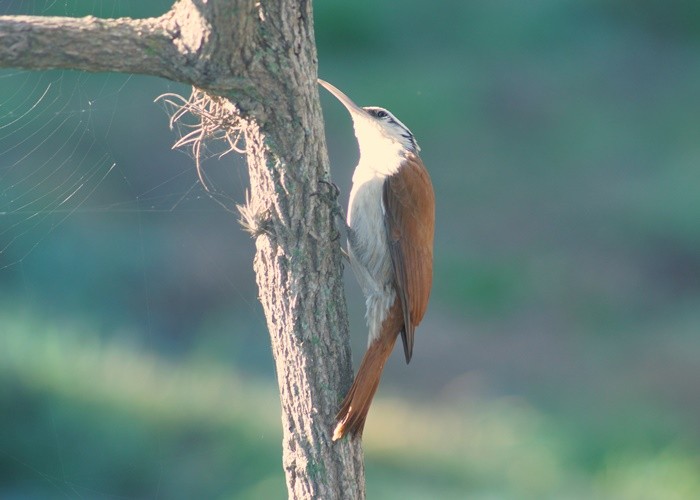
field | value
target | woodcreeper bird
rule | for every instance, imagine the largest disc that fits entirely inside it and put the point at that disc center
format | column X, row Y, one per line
column 391, row 220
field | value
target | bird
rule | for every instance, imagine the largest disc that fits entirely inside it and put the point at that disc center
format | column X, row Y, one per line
column 390, row 230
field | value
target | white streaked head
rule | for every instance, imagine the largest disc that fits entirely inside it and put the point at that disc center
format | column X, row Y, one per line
column 375, row 128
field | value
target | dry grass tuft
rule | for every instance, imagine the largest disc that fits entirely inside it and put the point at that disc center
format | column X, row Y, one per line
column 203, row 119
column 216, row 119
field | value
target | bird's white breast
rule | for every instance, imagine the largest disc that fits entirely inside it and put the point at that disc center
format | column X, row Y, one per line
column 368, row 241
column 368, row 246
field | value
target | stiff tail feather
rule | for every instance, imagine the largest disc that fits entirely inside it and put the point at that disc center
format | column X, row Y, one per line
column 353, row 411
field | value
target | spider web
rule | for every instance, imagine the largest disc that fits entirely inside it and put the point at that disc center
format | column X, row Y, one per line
column 102, row 223
column 57, row 146
column 58, row 159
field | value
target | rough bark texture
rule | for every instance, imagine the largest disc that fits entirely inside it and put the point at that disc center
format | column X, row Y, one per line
column 261, row 56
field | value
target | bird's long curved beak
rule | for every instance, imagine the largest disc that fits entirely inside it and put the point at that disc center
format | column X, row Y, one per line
column 345, row 100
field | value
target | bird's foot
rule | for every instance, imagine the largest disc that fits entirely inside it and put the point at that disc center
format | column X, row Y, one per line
column 331, row 198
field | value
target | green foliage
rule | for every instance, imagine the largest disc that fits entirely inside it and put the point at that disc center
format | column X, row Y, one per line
column 102, row 419
column 98, row 420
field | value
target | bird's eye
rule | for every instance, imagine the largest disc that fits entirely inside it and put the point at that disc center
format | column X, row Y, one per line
column 382, row 114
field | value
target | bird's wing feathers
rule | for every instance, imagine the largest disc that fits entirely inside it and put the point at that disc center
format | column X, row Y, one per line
column 409, row 205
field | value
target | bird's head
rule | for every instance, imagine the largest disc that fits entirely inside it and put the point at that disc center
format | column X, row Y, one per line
column 375, row 128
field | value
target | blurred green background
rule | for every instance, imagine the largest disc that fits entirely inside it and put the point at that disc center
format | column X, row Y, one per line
column 560, row 356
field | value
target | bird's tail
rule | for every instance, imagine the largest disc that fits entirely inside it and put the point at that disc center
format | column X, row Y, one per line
column 353, row 412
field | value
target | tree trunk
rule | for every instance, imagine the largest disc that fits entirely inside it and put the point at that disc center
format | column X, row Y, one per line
column 257, row 64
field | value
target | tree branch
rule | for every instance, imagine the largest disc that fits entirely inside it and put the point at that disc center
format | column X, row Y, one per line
column 88, row 44
column 182, row 45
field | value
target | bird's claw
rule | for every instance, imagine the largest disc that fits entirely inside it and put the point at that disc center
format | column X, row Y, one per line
column 333, row 186
column 332, row 200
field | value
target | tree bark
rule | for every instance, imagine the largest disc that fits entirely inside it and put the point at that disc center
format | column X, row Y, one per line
column 259, row 60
